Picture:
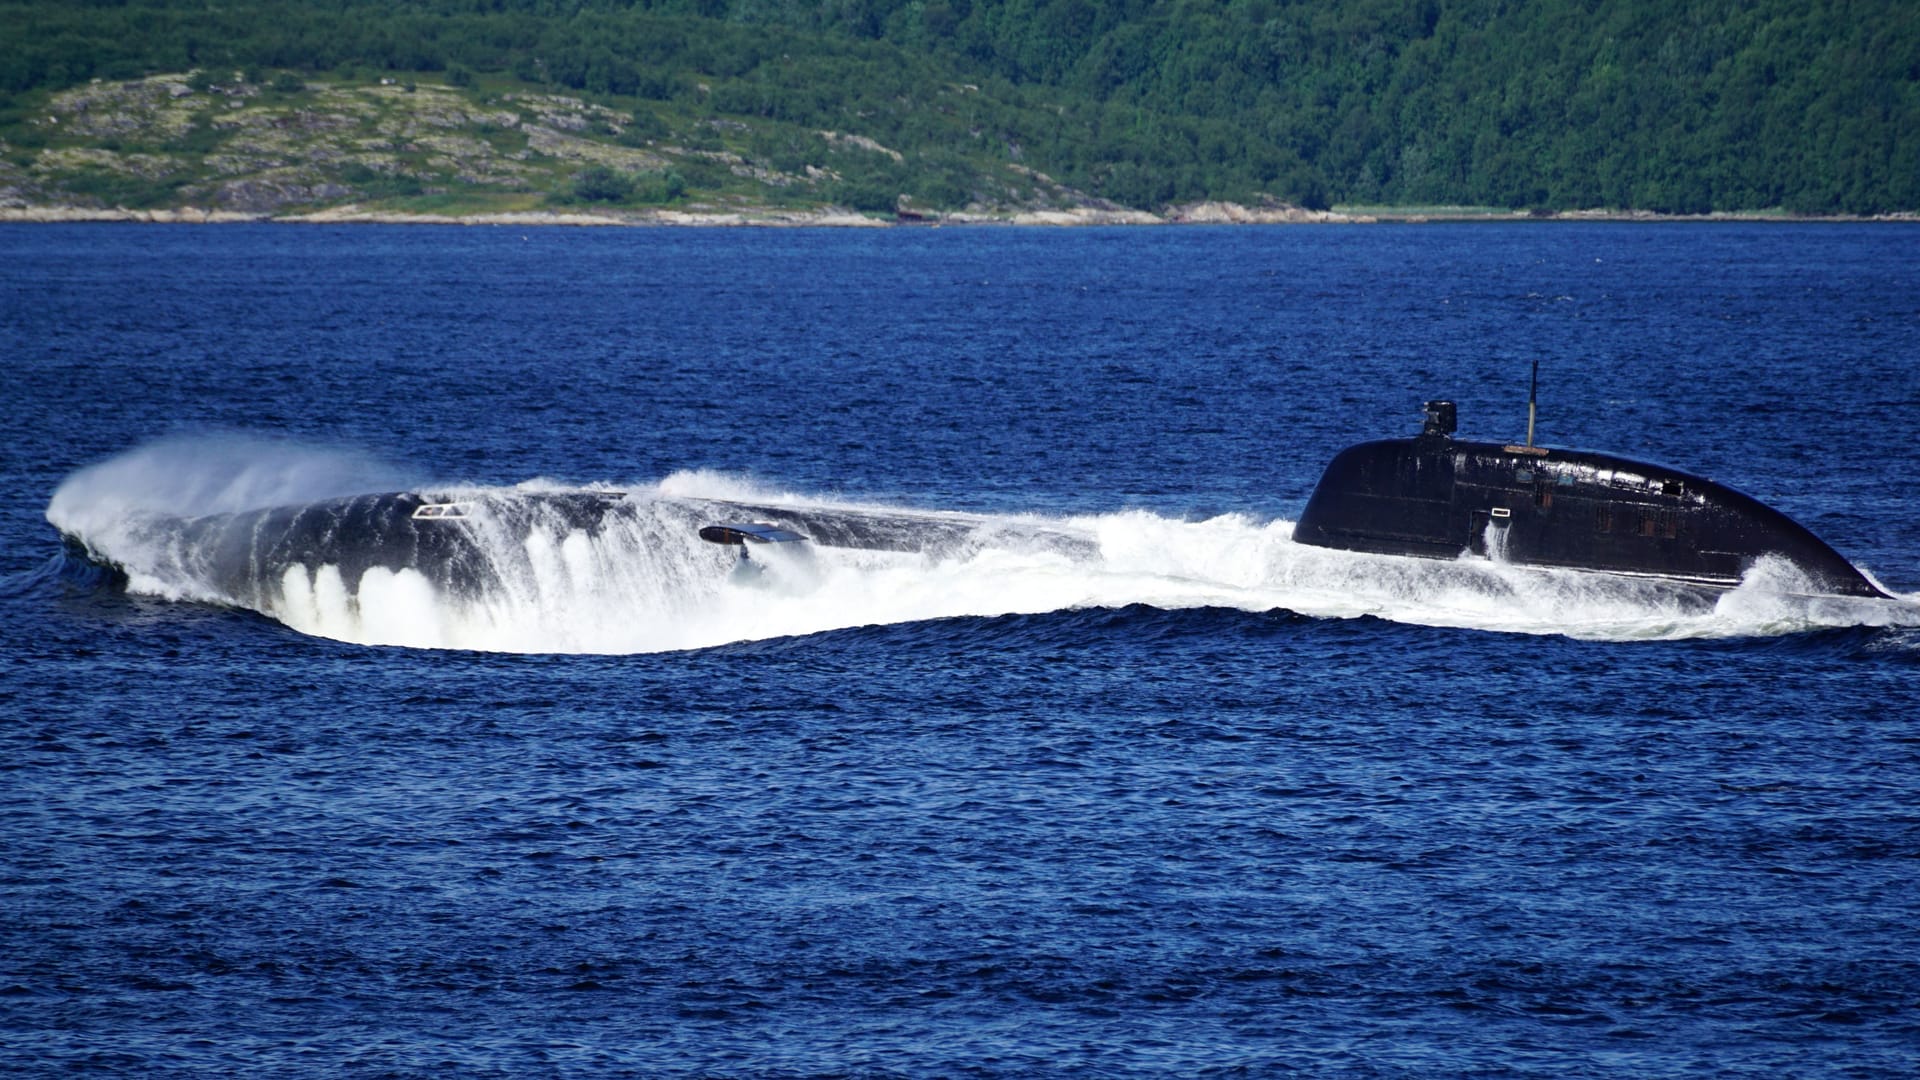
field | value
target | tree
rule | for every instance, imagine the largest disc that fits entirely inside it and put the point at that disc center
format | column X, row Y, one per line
column 597, row 183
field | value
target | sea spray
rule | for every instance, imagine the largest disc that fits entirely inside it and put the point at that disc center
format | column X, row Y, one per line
column 123, row 509
column 192, row 475
column 543, row 568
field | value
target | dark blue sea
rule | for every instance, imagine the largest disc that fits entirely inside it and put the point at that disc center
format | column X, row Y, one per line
column 1202, row 801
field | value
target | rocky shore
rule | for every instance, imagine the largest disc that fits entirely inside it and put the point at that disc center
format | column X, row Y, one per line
column 1207, row 213
column 1211, row 213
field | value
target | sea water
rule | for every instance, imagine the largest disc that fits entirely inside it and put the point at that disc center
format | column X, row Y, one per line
column 1186, row 797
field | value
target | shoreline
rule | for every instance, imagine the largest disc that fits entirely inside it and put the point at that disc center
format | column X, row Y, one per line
column 1207, row 213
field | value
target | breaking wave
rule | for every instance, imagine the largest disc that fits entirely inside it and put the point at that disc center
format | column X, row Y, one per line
column 290, row 532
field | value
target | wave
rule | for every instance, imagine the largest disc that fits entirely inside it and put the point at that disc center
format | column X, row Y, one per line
column 323, row 543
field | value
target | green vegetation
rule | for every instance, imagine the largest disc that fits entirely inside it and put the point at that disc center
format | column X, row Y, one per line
column 1805, row 106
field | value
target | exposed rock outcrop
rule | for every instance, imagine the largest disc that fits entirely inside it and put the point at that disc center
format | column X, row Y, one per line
column 1229, row 213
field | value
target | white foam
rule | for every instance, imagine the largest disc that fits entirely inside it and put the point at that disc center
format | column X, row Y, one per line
column 583, row 594
column 400, row 608
column 713, row 484
column 644, row 582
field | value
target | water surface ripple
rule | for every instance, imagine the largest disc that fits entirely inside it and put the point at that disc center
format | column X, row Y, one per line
column 1206, row 813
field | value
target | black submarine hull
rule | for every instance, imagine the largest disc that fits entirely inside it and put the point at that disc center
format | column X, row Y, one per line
column 1434, row 497
column 467, row 546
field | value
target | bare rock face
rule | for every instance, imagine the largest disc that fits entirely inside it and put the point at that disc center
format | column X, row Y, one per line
column 1230, row 213
column 50, row 215
column 1086, row 215
column 263, row 195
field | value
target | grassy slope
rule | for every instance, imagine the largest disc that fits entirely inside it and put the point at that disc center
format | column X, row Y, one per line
column 414, row 145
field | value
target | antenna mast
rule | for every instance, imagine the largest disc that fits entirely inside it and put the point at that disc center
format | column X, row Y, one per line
column 1532, row 391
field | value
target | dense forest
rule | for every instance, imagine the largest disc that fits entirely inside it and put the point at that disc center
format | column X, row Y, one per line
column 1682, row 106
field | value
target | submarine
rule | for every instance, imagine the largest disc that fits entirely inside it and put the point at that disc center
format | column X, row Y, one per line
column 1430, row 496
column 1433, row 496
column 470, row 545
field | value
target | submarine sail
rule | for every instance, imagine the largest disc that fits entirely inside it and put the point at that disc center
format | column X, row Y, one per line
column 1433, row 496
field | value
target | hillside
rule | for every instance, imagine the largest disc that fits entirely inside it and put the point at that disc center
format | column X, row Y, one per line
column 243, row 148
column 992, row 107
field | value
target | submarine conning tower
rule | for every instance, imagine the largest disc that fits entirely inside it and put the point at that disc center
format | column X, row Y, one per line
column 1434, row 496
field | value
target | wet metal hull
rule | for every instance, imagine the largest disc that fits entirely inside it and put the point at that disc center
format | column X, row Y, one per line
column 1435, row 497
column 469, row 545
